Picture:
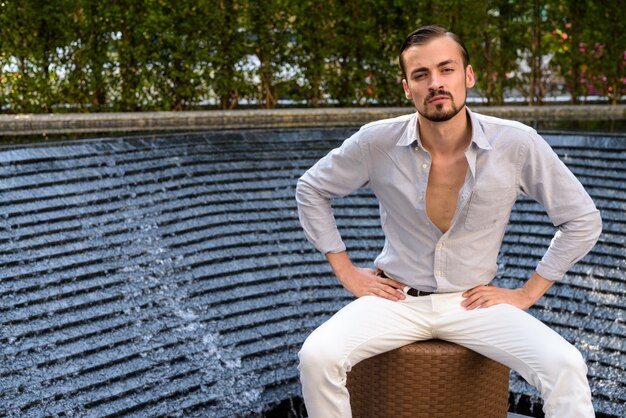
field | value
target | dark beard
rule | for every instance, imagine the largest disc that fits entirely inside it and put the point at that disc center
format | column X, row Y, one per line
column 438, row 116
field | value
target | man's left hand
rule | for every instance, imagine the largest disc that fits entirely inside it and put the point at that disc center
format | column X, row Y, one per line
column 523, row 298
column 489, row 295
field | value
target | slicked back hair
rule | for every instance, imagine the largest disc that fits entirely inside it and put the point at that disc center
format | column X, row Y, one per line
column 426, row 34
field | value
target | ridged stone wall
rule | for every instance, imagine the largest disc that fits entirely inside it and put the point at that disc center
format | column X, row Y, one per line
column 169, row 276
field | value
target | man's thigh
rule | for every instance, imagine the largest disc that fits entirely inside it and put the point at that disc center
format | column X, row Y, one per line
column 506, row 334
column 371, row 325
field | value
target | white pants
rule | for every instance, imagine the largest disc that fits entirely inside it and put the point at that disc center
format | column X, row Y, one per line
column 371, row 325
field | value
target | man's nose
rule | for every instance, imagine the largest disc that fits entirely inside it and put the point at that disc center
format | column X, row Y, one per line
column 435, row 83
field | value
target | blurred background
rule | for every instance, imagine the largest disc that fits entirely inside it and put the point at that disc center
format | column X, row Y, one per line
column 140, row 55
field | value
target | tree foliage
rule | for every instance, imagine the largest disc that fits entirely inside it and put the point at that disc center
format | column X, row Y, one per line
column 126, row 55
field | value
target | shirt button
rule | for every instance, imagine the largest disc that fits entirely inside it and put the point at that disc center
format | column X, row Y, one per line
column 440, row 246
column 421, row 197
column 424, row 165
column 439, row 273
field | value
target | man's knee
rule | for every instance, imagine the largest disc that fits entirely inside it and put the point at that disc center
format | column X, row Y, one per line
column 567, row 392
column 565, row 362
column 317, row 356
column 571, row 360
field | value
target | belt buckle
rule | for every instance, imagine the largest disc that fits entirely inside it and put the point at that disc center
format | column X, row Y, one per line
column 416, row 293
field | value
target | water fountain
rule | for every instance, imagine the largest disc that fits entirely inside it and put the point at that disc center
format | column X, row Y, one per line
column 153, row 276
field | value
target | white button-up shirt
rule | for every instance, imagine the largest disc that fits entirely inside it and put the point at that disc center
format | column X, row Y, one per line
column 505, row 159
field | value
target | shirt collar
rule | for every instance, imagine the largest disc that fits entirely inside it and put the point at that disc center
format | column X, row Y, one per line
column 410, row 135
column 478, row 134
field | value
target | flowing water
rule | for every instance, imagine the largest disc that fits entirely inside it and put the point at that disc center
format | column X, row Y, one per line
column 168, row 275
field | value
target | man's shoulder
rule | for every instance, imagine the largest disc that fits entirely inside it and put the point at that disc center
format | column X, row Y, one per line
column 397, row 123
column 385, row 133
column 506, row 134
column 492, row 124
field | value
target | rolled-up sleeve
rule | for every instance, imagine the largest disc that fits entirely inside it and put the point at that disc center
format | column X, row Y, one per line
column 338, row 174
column 546, row 179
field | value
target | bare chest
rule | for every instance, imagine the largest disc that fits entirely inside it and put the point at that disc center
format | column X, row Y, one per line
column 445, row 180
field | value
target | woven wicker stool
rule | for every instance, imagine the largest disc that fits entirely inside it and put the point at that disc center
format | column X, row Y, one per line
column 429, row 379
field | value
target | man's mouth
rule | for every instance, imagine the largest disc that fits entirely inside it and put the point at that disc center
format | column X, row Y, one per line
column 438, row 99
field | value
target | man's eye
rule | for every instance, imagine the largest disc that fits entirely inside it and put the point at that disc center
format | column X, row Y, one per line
column 419, row 76
column 448, row 70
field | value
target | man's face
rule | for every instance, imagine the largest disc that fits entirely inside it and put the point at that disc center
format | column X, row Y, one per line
column 435, row 78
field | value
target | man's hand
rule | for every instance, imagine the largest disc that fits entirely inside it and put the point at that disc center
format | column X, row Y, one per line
column 486, row 296
column 523, row 298
column 361, row 281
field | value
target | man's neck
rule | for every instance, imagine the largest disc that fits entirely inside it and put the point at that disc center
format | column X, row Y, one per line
column 446, row 138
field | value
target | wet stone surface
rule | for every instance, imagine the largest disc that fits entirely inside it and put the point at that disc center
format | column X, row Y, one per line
column 169, row 276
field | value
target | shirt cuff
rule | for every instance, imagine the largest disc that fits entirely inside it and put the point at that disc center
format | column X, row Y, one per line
column 549, row 272
column 330, row 245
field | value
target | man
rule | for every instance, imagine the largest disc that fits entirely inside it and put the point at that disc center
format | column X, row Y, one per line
column 446, row 180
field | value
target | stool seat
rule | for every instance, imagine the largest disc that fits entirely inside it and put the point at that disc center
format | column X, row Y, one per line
column 429, row 379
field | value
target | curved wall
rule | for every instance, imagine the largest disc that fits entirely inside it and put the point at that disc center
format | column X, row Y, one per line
column 168, row 276
column 273, row 119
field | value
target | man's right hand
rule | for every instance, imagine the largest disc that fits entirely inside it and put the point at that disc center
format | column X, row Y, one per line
column 362, row 281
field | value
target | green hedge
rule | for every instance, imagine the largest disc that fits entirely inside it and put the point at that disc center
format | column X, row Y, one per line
column 126, row 55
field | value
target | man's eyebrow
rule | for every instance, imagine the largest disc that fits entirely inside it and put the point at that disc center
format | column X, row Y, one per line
column 441, row 64
column 446, row 62
column 419, row 70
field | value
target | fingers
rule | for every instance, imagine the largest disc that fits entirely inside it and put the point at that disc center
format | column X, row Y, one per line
column 365, row 282
column 391, row 282
column 481, row 297
column 478, row 301
column 387, row 288
column 369, row 282
column 388, row 292
column 486, row 296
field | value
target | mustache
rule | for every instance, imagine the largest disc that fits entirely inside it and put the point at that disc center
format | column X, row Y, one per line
column 440, row 92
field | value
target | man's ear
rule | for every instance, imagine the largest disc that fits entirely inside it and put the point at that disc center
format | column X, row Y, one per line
column 470, row 77
column 405, row 86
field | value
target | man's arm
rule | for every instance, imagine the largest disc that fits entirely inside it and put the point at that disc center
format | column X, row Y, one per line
column 339, row 173
column 523, row 297
column 361, row 281
column 545, row 178
column 573, row 240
